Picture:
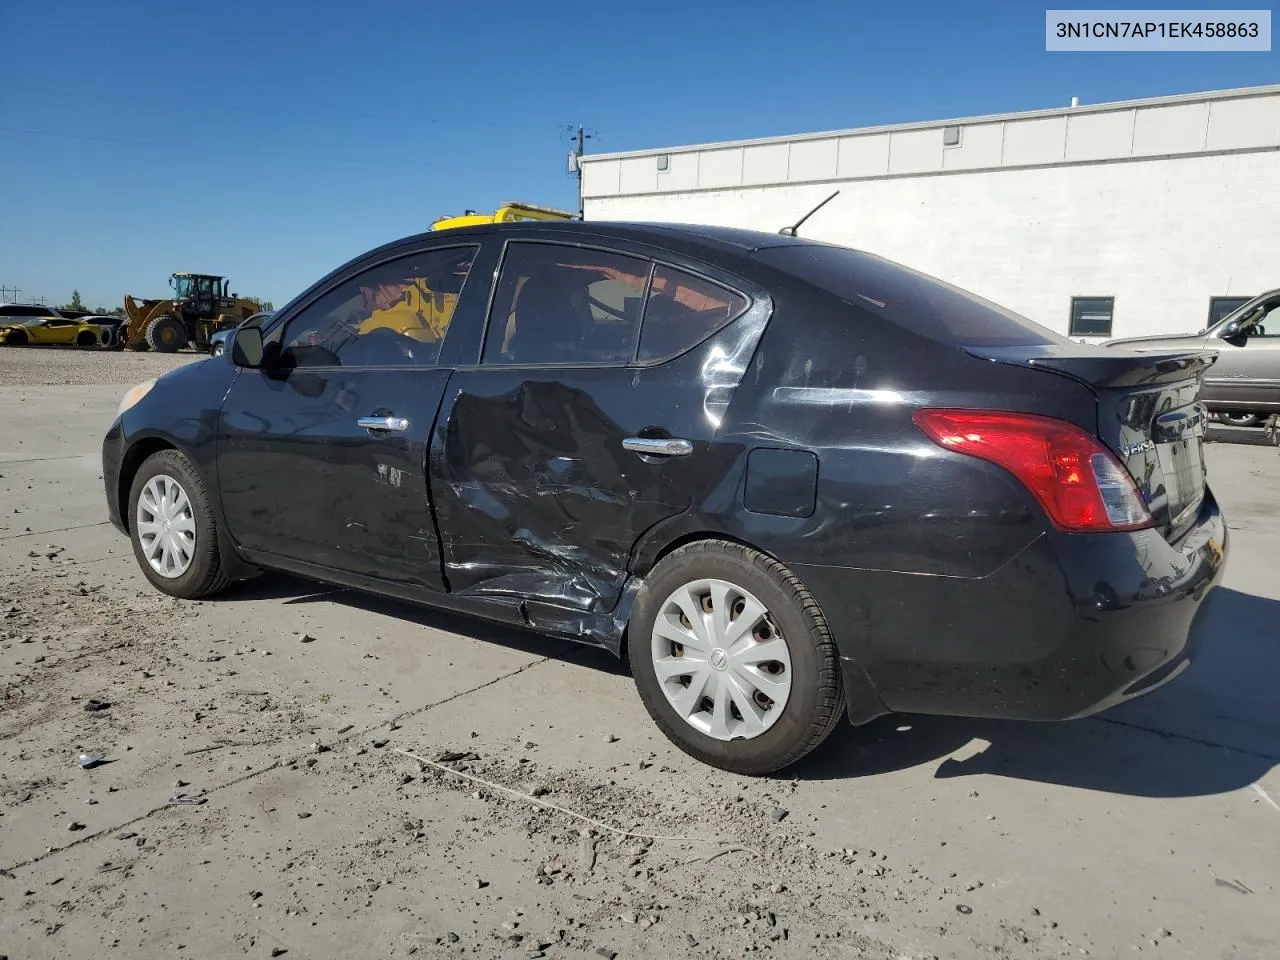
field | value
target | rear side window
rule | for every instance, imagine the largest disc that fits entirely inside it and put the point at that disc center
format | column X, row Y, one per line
column 917, row 301
column 565, row 305
column 683, row 310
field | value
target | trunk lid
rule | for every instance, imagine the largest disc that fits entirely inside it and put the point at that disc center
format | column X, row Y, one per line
column 1149, row 416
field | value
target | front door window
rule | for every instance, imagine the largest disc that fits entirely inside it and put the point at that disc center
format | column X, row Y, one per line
column 396, row 313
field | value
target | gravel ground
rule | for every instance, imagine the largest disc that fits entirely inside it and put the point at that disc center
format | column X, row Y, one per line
column 35, row 366
column 372, row 779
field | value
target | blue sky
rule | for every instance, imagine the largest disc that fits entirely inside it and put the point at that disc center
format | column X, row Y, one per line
column 271, row 141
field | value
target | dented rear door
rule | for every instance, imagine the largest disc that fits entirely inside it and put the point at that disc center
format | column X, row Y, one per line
column 571, row 438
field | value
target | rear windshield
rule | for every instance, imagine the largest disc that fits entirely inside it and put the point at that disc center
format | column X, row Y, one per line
column 921, row 303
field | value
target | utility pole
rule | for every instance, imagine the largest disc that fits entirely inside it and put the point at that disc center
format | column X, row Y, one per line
column 583, row 136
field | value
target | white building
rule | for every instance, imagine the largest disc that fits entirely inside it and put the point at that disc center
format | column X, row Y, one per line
column 1115, row 219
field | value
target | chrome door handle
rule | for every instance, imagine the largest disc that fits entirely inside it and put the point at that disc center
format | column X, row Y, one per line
column 658, row 448
column 383, row 423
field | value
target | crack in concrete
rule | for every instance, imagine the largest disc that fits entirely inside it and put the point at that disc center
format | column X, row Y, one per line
column 278, row 763
column 1274, row 758
column 41, row 533
column 72, row 456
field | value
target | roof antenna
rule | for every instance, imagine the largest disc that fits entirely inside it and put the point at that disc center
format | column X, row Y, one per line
column 791, row 230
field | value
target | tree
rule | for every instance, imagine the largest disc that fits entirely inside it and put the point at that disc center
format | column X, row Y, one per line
column 75, row 303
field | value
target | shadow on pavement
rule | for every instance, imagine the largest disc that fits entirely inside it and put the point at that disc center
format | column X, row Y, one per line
column 295, row 590
column 1213, row 730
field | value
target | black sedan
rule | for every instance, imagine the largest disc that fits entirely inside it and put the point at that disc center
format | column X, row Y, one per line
column 789, row 481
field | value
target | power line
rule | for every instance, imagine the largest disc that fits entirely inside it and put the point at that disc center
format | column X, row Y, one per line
column 209, row 106
column 243, row 151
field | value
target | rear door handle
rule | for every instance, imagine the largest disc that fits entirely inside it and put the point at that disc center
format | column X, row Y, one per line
column 383, row 423
column 670, row 447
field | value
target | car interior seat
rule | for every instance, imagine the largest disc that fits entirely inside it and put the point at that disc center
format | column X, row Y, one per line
column 547, row 321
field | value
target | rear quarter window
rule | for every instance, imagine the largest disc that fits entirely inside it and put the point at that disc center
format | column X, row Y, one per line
column 914, row 300
column 682, row 311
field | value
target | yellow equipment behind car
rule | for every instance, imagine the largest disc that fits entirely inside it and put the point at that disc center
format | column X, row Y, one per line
column 510, row 211
column 421, row 307
column 199, row 306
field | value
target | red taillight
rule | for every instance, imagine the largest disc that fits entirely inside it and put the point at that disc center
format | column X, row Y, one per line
column 1079, row 483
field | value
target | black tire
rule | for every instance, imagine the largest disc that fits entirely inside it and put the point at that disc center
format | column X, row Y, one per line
column 1236, row 419
column 86, row 339
column 217, row 349
column 17, row 338
column 816, row 701
column 205, row 576
column 166, row 335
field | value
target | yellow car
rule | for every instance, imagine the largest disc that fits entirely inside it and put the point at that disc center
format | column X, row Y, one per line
column 47, row 326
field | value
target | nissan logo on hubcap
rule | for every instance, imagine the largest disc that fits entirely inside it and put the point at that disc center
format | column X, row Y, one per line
column 719, row 659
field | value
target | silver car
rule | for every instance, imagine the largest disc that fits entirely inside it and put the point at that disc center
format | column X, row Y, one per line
column 1243, row 386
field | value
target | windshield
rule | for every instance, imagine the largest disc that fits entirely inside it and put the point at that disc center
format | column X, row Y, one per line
column 1249, row 314
column 183, row 287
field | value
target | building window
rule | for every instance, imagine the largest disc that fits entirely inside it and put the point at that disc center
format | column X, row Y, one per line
column 664, row 162
column 1091, row 316
column 951, row 136
column 1219, row 307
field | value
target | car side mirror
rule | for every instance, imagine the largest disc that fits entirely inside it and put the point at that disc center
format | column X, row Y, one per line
column 1232, row 329
column 244, row 347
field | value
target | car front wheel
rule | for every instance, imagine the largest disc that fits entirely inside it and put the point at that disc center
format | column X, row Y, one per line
column 1241, row 419
column 217, row 349
column 733, row 659
column 172, row 527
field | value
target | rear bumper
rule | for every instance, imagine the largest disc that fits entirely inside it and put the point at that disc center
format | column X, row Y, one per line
column 1073, row 625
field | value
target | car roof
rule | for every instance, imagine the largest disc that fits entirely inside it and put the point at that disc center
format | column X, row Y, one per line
column 687, row 235
column 721, row 246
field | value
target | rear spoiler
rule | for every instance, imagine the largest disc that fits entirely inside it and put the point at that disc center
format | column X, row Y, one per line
column 1105, row 367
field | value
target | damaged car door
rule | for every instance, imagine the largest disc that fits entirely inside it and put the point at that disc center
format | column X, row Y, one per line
column 574, row 434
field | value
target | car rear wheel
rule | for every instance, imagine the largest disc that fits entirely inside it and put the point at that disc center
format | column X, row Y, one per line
column 85, row 339
column 166, row 335
column 1241, row 419
column 172, row 528
column 733, row 659
column 16, row 338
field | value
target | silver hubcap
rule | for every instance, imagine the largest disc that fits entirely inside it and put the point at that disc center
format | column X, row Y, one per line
column 721, row 660
column 166, row 526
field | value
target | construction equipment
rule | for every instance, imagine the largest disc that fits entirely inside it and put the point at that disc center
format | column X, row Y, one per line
column 199, row 305
column 509, row 211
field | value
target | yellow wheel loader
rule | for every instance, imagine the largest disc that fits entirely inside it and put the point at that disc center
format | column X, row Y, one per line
column 199, row 306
